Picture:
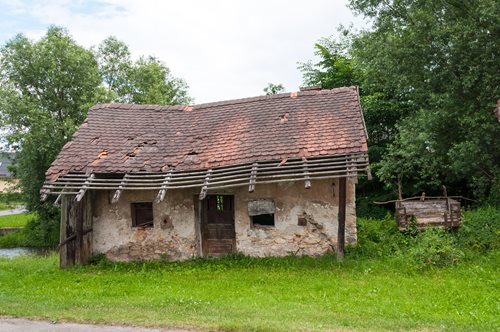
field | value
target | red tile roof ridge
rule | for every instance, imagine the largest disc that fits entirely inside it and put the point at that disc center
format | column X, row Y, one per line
column 275, row 96
column 154, row 107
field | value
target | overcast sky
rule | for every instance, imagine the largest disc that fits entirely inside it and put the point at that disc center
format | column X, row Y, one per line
column 223, row 49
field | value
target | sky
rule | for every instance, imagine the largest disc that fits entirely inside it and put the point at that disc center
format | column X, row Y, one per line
column 223, row 49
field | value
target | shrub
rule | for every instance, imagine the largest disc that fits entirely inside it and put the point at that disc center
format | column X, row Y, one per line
column 480, row 230
column 434, row 248
column 43, row 231
column 378, row 238
column 12, row 240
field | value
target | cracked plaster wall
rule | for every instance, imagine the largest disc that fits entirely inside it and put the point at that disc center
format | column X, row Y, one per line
column 172, row 237
column 317, row 206
column 175, row 236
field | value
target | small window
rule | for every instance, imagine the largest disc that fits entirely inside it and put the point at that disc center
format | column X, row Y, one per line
column 263, row 220
column 261, row 211
column 142, row 214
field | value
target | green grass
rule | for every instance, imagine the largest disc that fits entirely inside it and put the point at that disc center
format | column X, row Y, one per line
column 15, row 220
column 241, row 293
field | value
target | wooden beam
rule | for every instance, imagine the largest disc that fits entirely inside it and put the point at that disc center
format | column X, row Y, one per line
column 119, row 191
column 163, row 191
column 306, row 173
column 253, row 177
column 85, row 186
column 341, row 218
column 203, row 192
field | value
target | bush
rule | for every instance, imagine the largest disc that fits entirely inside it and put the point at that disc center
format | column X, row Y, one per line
column 43, row 231
column 434, row 247
column 12, row 240
column 378, row 238
column 480, row 230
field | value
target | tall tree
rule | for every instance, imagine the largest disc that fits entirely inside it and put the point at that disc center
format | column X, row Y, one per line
column 151, row 82
column 115, row 64
column 442, row 58
column 46, row 88
column 145, row 81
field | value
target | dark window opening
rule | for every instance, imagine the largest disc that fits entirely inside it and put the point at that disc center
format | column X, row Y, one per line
column 142, row 214
column 263, row 220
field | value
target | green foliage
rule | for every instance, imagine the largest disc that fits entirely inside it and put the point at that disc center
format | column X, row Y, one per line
column 480, row 230
column 439, row 58
column 378, row 238
column 272, row 89
column 434, row 248
column 43, row 231
column 334, row 68
column 147, row 81
column 13, row 240
column 150, row 82
column 9, row 200
column 420, row 249
column 46, row 88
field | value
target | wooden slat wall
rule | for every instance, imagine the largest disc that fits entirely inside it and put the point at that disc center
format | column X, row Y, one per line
column 428, row 213
column 76, row 230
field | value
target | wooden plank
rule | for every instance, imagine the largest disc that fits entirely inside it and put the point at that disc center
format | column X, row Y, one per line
column 63, row 261
column 341, row 218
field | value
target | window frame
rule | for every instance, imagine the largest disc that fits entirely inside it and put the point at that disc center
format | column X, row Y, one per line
column 134, row 210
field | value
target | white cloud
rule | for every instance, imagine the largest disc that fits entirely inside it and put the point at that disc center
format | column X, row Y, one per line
column 224, row 49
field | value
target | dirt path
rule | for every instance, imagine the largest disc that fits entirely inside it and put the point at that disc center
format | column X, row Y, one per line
column 25, row 325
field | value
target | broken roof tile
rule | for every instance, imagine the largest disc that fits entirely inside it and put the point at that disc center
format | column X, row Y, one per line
column 286, row 125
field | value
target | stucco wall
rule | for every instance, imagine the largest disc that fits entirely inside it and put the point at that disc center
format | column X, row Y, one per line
column 175, row 234
column 318, row 205
column 172, row 237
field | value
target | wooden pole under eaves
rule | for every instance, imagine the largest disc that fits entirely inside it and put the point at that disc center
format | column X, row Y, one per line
column 341, row 219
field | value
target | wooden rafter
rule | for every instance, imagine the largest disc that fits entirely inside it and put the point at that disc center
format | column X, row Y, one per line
column 163, row 191
column 306, row 174
column 119, row 191
column 203, row 192
column 85, row 186
column 313, row 168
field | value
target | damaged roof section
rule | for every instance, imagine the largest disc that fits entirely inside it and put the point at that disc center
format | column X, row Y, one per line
column 124, row 138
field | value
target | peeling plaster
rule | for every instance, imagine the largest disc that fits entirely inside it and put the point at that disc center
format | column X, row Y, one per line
column 174, row 235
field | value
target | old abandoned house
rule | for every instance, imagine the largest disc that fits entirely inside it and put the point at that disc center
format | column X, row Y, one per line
column 270, row 175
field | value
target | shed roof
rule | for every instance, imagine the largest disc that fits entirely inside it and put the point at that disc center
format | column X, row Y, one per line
column 126, row 138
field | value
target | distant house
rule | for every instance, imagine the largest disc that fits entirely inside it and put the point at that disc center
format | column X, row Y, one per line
column 270, row 175
column 5, row 161
column 6, row 181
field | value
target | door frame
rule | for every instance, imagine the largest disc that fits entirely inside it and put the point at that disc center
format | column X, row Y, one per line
column 202, row 219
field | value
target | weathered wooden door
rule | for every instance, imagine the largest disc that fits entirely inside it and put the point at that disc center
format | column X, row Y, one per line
column 217, row 225
column 76, row 230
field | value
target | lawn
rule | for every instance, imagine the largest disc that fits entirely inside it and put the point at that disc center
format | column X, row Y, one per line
column 240, row 293
column 15, row 220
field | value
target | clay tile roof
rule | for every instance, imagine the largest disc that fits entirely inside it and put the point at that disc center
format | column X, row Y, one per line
column 124, row 138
